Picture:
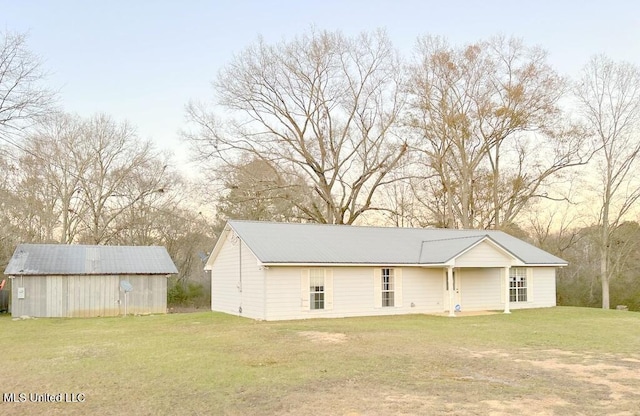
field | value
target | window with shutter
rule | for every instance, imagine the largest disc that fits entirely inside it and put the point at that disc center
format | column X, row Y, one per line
column 317, row 289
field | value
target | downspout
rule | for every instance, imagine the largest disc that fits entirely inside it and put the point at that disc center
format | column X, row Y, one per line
column 240, row 274
column 264, row 291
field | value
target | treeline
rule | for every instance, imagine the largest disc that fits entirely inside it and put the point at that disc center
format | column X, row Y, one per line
column 342, row 129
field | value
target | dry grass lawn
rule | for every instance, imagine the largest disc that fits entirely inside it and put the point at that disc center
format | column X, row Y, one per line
column 537, row 362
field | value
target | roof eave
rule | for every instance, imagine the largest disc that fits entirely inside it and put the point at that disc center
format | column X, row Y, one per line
column 218, row 246
column 423, row 265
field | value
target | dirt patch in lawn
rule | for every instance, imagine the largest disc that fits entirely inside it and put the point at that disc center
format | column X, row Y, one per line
column 324, row 337
column 485, row 382
column 620, row 377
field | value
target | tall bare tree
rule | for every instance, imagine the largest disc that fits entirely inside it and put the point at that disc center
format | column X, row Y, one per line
column 119, row 171
column 322, row 107
column 9, row 207
column 51, row 176
column 80, row 178
column 609, row 94
column 22, row 98
column 486, row 122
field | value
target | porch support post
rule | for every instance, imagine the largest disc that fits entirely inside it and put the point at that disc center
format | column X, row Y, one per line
column 506, row 290
column 452, row 311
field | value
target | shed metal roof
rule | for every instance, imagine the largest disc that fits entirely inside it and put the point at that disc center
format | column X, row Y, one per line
column 60, row 259
column 275, row 243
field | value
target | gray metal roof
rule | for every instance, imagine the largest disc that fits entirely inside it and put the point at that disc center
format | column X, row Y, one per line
column 60, row 259
column 318, row 243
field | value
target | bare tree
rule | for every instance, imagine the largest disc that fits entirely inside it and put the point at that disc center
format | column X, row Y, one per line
column 485, row 116
column 22, row 98
column 257, row 190
column 119, row 170
column 10, row 213
column 22, row 101
column 79, row 180
column 609, row 94
column 50, row 177
column 322, row 107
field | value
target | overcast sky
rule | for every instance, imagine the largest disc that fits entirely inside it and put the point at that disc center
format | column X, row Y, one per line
column 144, row 60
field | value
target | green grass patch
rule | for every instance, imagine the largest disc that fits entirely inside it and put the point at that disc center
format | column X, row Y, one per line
column 563, row 359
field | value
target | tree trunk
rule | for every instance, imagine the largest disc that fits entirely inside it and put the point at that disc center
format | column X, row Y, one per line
column 604, row 277
column 604, row 258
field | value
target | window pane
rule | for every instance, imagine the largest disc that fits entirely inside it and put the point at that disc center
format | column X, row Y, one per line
column 317, row 301
column 387, row 299
column 522, row 295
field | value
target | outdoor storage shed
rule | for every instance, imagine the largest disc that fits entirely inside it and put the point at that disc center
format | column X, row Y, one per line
column 54, row 280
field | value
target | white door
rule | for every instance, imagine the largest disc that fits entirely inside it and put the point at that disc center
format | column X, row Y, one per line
column 455, row 288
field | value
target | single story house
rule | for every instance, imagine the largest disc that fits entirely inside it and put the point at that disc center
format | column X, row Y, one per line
column 277, row 271
column 56, row 280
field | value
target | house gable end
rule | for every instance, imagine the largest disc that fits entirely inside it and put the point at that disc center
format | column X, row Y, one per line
column 485, row 253
column 226, row 236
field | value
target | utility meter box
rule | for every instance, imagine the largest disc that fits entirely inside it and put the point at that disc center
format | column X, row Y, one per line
column 20, row 293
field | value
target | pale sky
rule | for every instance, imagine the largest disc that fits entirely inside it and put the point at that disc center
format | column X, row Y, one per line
column 142, row 61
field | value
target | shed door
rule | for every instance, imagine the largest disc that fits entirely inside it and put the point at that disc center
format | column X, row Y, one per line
column 93, row 296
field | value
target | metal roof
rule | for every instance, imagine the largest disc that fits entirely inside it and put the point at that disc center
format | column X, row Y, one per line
column 276, row 243
column 61, row 259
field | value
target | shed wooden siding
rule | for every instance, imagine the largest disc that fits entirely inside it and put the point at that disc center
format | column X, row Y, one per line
column 88, row 296
column 234, row 286
column 353, row 293
column 149, row 294
column 484, row 254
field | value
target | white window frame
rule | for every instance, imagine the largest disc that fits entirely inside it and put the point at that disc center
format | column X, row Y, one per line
column 518, row 285
column 317, row 289
column 306, row 294
column 379, row 287
column 387, row 275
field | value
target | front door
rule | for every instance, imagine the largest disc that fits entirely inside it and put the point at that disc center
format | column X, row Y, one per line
column 455, row 288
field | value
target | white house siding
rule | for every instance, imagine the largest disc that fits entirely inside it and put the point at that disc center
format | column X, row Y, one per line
column 353, row 293
column 480, row 288
column 541, row 289
column 235, row 288
column 484, row 254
